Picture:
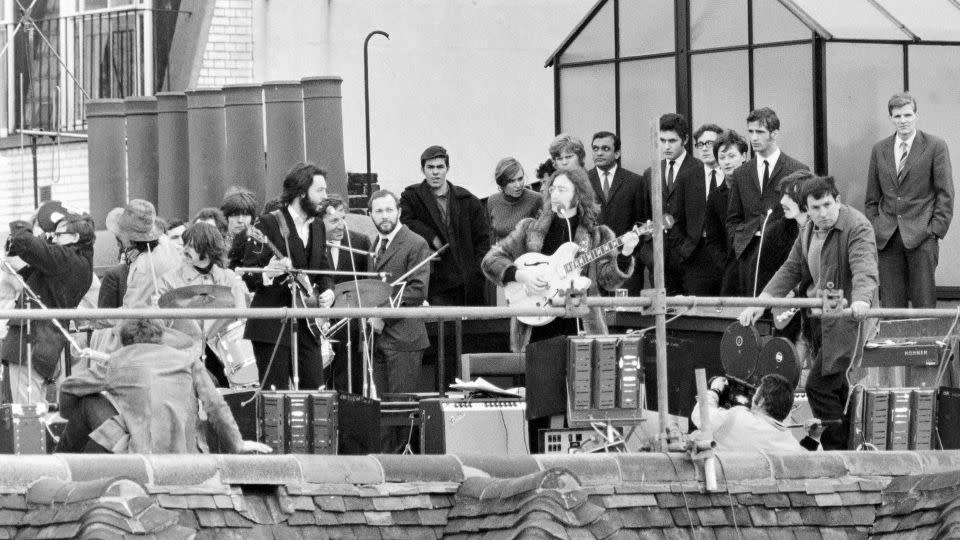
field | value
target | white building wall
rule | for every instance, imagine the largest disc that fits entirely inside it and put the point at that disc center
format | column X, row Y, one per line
column 465, row 74
column 64, row 168
column 228, row 53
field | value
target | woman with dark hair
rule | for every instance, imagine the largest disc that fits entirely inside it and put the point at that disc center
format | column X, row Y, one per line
column 568, row 214
column 202, row 264
column 239, row 206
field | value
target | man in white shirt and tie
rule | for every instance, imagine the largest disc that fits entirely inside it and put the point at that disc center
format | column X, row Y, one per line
column 619, row 192
column 754, row 201
column 909, row 202
column 398, row 349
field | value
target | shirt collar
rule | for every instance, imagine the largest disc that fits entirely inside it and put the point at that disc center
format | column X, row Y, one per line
column 391, row 236
column 707, row 170
column 897, row 141
column 612, row 172
column 772, row 160
column 299, row 218
column 677, row 162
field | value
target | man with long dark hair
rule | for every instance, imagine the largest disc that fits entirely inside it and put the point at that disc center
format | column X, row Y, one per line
column 297, row 232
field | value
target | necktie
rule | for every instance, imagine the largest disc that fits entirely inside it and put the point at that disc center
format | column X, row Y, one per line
column 904, row 150
column 766, row 175
column 670, row 176
column 606, row 184
column 713, row 182
column 381, row 250
column 333, row 263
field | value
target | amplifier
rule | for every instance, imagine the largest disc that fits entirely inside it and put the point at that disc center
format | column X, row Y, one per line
column 22, row 430
column 948, row 417
column 912, row 353
column 247, row 417
column 315, row 422
column 487, row 426
column 568, row 440
column 893, row 418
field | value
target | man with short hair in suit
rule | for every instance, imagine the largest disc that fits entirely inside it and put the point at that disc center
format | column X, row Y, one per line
column 443, row 213
column 909, row 202
column 398, row 349
column 340, row 242
column 754, row 201
column 619, row 192
column 677, row 168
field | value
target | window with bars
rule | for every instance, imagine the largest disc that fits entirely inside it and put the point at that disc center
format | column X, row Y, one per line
column 65, row 52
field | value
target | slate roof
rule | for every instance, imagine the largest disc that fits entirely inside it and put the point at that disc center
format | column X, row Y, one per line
column 782, row 496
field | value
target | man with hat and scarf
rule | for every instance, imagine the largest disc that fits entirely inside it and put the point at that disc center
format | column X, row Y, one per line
column 59, row 270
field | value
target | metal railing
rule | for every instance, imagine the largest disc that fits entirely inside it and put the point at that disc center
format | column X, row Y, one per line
column 65, row 60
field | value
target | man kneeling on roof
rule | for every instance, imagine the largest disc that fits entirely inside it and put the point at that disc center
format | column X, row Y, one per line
column 760, row 427
column 146, row 398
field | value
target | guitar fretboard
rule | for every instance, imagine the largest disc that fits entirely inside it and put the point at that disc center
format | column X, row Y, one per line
column 591, row 255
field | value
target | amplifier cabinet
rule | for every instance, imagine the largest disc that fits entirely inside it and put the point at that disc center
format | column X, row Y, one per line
column 22, row 430
column 894, row 418
column 246, row 412
column 898, row 420
column 922, row 418
column 487, row 426
column 315, row 422
column 876, row 406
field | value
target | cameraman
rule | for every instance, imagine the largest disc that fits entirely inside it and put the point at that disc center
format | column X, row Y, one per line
column 759, row 427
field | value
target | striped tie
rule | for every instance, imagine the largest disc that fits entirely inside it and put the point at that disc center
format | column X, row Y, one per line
column 904, row 151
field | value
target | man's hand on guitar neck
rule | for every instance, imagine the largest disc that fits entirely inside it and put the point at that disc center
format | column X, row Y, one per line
column 630, row 241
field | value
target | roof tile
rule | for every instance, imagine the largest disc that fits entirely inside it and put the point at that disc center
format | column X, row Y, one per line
column 776, row 500
column 349, row 470
column 621, row 501
column 713, row 516
column 325, row 518
column 330, row 503
column 788, row 517
column 13, row 501
column 352, row 518
column 235, row 519
column 354, row 504
column 210, row 518
column 378, row 519
column 828, row 499
column 763, row 517
column 646, row 517
column 420, row 468
column 11, row 517
column 684, row 516
column 300, row 518
column 433, row 517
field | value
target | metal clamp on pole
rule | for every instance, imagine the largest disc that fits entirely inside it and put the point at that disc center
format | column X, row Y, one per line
column 571, row 300
column 833, row 302
column 658, row 302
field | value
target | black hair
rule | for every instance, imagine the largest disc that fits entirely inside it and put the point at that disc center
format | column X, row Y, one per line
column 777, row 394
column 333, row 201
column 793, row 183
column 545, row 169
column 299, row 180
column 707, row 127
column 140, row 331
column 730, row 138
column 676, row 123
column 239, row 202
column 206, row 240
column 817, row 187
column 216, row 215
column 604, row 135
column 766, row 117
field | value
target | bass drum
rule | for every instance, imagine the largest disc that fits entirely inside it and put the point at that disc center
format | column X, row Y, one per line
column 236, row 355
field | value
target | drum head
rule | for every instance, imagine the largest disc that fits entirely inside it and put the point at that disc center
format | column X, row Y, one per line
column 739, row 350
column 779, row 356
column 373, row 293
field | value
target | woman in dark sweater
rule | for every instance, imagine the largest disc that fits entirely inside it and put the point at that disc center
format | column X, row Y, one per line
column 512, row 203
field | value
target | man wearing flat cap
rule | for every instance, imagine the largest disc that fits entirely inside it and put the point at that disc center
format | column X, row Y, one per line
column 443, row 213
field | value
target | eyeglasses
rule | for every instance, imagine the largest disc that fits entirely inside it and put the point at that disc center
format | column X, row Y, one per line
column 704, row 144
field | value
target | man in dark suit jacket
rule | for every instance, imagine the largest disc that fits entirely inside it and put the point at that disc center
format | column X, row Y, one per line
column 443, row 213
column 398, row 349
column 677, row 168
column 340, row 241
column 302, row 247
column 754, row 199
column 619, row 193
column 909, row 202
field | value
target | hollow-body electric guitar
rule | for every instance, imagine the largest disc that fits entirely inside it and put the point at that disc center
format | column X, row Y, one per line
column 561, row 270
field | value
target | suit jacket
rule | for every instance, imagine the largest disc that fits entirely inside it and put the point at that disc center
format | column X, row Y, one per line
column 918, row 201
column 277, row 294
column 691, row 170
column 691, row 208
column 747, row 205
column 467, row 233
column 624, row 207
column 344, row 264
column 405, row 251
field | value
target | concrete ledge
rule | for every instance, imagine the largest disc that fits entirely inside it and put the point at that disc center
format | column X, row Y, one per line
column 16, row 472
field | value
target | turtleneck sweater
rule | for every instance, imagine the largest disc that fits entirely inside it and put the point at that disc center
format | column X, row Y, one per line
column 505, row 212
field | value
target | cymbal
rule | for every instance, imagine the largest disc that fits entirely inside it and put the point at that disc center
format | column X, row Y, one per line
column 198, row 296
column 373, row 293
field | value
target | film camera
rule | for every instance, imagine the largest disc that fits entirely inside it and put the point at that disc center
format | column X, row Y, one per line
column 747, row 356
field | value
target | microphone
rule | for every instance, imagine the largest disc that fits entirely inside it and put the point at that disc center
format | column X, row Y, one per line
column 756, row 271
column 563, row 214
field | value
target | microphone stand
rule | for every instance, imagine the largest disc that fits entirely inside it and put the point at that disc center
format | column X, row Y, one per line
column 756, row 270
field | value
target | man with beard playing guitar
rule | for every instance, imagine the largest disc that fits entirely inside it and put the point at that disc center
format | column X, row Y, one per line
column 293, row 238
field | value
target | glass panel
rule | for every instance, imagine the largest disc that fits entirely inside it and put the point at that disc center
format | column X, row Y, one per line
column 595, row 41
column 932, row 20
column 934, row 72
column 721, row 94
column 851, row 19
column 859, row 83
column 587, row 103
column 717, row 23
column 773, row 22
column 789, row 92
column 646, row 27
column 647, row 90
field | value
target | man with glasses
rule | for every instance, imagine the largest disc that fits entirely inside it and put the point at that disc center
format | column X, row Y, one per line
column 618, row 191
